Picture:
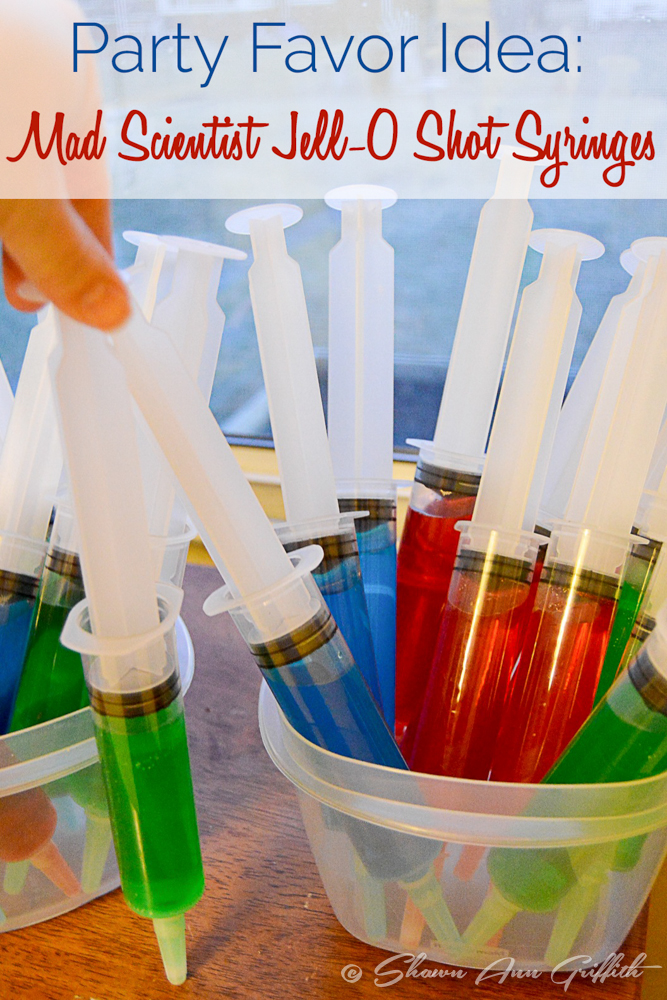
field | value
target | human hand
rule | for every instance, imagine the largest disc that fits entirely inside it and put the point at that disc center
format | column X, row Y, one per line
column 60, row 251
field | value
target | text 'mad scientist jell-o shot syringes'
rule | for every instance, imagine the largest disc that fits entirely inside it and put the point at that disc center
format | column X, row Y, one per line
column 276, row 605
column 299, row 430
column 125, row 634
column 488, row 601
column 559, row 671
column 30, row 467
column 449, row 467
column 360, row 392
column 625, row 739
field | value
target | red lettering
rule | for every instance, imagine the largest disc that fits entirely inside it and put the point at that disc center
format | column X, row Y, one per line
column 34, row 134
column 371, row 134
column 129, row 142
column 74, row 148
column 439, row 151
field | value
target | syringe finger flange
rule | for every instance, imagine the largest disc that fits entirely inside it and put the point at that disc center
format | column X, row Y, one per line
column 336, row 548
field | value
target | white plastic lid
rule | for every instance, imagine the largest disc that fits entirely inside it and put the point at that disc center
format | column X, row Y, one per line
column 240, row 221
column 360, row 192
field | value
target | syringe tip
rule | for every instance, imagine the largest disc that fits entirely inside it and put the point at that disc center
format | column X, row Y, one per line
column 50, row 861
column 95, row 852
column 170, row 934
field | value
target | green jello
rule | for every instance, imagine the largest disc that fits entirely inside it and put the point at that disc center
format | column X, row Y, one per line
column 52, row 682
column 146, row 770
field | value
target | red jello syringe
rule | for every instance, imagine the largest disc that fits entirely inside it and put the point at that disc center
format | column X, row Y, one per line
column 426, row 557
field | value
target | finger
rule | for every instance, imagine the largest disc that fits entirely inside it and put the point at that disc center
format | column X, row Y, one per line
column 20, row 292
column 48, row 243
column 96, row 213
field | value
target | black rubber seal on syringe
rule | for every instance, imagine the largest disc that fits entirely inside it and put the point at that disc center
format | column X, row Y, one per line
column 63, row 563
column 642, row 628
column 447, row 480
column 650, row 684
column 296, row 645
column 648, row 550
column 380, row 510
column 337, row 548
column 497, row 567
column 131, row 704
column 595, row 584
column 17, row 587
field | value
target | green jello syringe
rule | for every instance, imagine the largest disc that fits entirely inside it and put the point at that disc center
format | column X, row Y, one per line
column 625, row 739
column 125, row 635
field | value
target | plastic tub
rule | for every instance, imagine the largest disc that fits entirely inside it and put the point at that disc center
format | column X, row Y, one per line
column 50, row 781
column 344, row 802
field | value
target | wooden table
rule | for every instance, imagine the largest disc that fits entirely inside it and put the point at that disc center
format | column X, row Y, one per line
column 264, row 927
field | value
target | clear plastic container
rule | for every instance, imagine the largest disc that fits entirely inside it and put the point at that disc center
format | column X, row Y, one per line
column 48, row 784
column 337, row 794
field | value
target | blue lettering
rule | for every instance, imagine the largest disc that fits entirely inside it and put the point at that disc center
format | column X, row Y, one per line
column 255, row 45
column 89, row 52
column 503, row 54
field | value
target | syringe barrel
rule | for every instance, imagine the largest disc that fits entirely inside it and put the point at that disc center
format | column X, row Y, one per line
column 140, row 733
column 525, row 397
column 290, row 375
column 361, row 345
column 223, row 506
column 483, row 329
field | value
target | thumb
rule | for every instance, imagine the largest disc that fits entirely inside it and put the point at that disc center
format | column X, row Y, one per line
column 50, row 253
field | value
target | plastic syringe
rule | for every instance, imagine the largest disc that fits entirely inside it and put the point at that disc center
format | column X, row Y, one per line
column 448, row 468
column 189, row 313
column 361, row 404
column 577, row 410
column 625, row 739
column 52, row 682
column 645, row 575
column 6, row 402
column 143, row 277
column 276, row 605
column 651, row 525
column 126, row 638
column 560, row 669
column 642, row 562
column 655, row 597
column 30, row 467
column 484, row 322
column 488, row 604
column 299, row 430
